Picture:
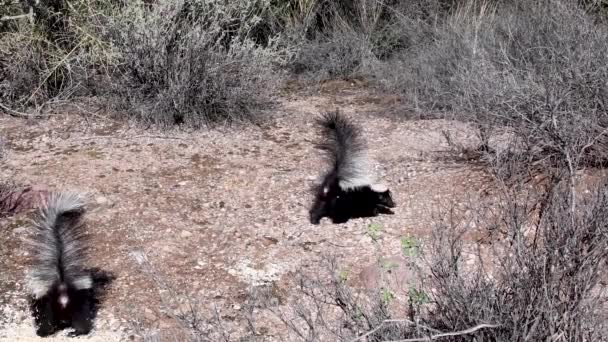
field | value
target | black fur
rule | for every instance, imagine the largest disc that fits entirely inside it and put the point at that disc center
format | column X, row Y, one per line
column 346, row 152
column 50, row 317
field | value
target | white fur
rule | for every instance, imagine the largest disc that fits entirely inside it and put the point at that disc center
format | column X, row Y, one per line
column 39, row 287
column 82, row 283
column 44, row 245
column 379, row 187
column 63, row 300
column 59, row 202
column 356, row 172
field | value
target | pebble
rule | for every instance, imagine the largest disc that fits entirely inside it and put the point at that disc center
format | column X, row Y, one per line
column 149, row 315
column 101, row 200
column 20, row 230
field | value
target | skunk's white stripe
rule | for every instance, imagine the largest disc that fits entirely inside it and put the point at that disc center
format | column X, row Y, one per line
column 356, row 172
column 60, row 202
column 39, row 287
column 379, row 187
column 82, row 283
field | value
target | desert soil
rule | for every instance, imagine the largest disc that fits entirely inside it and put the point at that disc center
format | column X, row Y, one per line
column 216, row 212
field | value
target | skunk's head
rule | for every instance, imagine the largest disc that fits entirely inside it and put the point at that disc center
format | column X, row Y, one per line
column 384, row 196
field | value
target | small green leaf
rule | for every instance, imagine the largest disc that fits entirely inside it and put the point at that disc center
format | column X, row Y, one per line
column 343, row 275
column 418, row 297
column 410, row 247
column 388, row 265
column 358, row 313
column 373, row 231
column 386, row 296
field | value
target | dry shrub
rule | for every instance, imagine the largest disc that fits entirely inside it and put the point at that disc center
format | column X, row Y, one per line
column 56, row 54
column 539, row 282
column 535, row 68
column 342, row 39
column 194, row 62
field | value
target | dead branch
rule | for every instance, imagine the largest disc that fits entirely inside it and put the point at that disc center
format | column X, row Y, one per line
column 424, row 339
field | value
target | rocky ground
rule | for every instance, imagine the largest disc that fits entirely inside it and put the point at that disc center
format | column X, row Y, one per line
column 214, row 213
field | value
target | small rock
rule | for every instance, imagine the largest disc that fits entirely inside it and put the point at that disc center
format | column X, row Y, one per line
column 185, row 234
column 101, row 200
column 20, row 230
column 270, row 240
column 149, row 315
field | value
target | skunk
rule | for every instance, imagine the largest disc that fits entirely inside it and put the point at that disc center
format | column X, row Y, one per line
column 348, row 189
column 61, row 288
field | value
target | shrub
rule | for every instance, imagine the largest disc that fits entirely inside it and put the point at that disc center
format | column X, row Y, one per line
column 57, row 54
column 535, row 68
column 539, row 280
column 542, row 281
column 194, row 62
column 342, row 39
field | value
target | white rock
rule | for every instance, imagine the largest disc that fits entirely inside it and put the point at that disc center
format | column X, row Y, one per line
column 101, row 200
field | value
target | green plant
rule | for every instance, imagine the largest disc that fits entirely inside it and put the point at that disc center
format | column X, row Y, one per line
column 410, row 246
column 373, row 231
column 417, row 297
column 388, row 265
column 386, row 296
column 343, row 275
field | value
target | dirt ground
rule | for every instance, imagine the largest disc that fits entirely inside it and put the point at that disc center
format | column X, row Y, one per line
column 215, row 212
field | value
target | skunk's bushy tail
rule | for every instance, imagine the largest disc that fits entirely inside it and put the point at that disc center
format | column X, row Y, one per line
column 58, row 245
column 346, row 150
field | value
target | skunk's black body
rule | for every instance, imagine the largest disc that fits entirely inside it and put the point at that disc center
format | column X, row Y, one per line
column 61, row 287
column 348, row 189
column 50, row 316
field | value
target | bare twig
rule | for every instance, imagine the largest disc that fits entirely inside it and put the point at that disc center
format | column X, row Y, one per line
column 381, row 325
column 572, row 179
column 14, row 17
column 159, row 137
column 15, row 113
column 592, row 142
column 29, row 15
column 430, row 338
column 132, row 137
